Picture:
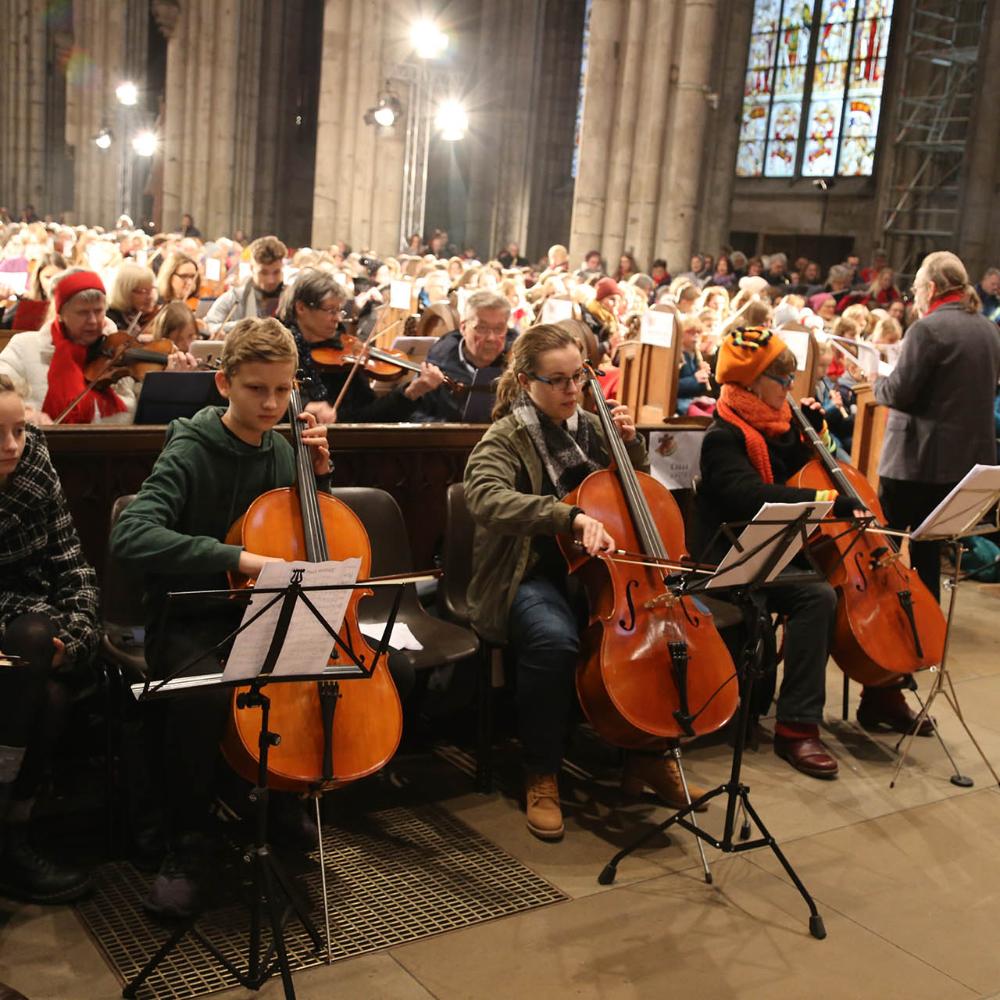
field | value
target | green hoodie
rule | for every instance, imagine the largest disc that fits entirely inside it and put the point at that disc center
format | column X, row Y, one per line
column 203, row 480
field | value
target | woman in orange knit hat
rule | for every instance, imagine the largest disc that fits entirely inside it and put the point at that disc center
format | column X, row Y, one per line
column 750, row 451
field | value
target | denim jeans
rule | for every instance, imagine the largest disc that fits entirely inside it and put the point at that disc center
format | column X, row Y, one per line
column 543, row 632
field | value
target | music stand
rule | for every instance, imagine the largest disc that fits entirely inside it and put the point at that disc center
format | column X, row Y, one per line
column 958, row 516
column 744, row 571
column 269, row 880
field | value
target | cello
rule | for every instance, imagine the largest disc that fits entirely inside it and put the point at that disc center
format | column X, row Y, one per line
column 888, row 623
column 332, row 731
column 653, row 665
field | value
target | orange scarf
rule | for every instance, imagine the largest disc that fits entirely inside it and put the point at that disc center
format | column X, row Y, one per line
column 755, row 420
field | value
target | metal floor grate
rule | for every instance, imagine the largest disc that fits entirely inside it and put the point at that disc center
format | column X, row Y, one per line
column 394, row 876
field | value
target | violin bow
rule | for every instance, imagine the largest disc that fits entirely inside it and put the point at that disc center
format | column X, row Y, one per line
column 133, row 332
column 357, row 364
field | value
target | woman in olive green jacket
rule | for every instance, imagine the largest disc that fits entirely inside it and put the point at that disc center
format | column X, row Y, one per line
column 540, row 447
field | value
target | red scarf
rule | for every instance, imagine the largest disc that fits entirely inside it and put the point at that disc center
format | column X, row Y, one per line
column 756, row 420
column 66, row 382
column 941, row 300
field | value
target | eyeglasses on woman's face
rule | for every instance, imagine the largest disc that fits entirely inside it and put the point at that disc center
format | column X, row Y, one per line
column 785, row 381
column 561, row 382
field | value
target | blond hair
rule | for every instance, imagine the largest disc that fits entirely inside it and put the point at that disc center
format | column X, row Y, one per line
column 523, row 360
column 257, row 340
column 129, row 277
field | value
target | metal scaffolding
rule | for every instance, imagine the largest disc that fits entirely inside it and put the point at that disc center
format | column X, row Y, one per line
column 933, row 124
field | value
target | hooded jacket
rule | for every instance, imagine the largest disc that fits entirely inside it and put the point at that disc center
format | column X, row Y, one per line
column 203, row 480
column 42, row 568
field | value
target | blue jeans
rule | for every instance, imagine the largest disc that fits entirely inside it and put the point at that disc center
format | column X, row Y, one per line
column 544, row 636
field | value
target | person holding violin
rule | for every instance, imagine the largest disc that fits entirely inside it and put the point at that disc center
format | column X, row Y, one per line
column 311, row 309
column 38, row 296
column 259, row 296
column 175, row 322
column 48, row 617
column 133, row 294
column 212, row 467
column 51, row 360
column 483, row 340
column 750, row 451
column 540, row 447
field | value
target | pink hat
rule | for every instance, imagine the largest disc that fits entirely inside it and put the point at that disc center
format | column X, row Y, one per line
column 606, row 287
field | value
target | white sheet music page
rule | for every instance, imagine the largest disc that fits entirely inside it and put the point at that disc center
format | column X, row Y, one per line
column 307, row 645
column 767, row 524
column 964, row 507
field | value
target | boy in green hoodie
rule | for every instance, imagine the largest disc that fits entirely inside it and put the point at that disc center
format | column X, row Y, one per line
column 212, row 467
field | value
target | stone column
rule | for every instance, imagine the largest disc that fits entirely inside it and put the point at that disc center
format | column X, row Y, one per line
column 680, row 181
column 22, row 95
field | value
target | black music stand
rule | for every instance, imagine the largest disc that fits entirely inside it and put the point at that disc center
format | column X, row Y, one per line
column 761, row 561
column 269, row 880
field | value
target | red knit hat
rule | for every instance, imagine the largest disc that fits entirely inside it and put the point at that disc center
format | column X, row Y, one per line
column 606, row 287
column 70, row 284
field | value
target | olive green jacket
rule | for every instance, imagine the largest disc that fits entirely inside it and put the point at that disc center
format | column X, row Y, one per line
column 503, row 478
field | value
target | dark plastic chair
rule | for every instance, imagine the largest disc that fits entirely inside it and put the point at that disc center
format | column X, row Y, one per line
column 456, row 561
column 122, row 611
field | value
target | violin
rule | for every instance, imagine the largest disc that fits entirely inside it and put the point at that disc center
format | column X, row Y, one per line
column 653, row 665
column 118, row 354
column 332, row 731
column 888, row 623
column 383, row 365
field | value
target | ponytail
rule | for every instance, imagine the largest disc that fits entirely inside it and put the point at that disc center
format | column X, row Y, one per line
column 523, row 359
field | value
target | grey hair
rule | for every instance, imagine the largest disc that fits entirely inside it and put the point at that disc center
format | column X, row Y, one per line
column 310, row 287
column 130, row 276
column 486, row 299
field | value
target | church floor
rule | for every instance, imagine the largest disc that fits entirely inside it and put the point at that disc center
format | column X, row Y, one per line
column 907, row 881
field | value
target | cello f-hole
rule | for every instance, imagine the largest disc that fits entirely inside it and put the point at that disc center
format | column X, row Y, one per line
column 859, row 561
column 631, row 606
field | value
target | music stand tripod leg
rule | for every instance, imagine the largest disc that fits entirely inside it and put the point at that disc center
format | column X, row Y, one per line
column 675, row 752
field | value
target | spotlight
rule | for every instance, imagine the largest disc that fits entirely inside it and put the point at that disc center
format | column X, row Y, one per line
column 386, row 111
column 103, row 139
column 823, row 183
column 451, row 121
column 428, row 39
column 127, row 93
column 145, row 143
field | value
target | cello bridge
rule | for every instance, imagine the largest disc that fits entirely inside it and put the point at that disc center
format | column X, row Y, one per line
column 664, row 600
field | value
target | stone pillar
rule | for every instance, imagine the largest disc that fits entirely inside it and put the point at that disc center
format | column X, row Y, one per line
column 681, row 179
column 96, row 68
column 358, row 184
column 979, row 227
column 23, row 43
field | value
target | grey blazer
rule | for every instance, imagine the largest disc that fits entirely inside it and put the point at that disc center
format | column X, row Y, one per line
column 941, row 394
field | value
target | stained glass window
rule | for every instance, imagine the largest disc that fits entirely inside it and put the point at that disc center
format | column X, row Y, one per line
column 813, row 88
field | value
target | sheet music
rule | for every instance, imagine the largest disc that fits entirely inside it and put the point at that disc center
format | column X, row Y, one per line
column 308, row 645
column 656, row 328
column 399, row 295
column 964, row 507
column 401, row 637
column 730, row 575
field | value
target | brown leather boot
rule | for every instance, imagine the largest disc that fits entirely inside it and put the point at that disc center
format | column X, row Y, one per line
column 662, row 775
column 541, row 799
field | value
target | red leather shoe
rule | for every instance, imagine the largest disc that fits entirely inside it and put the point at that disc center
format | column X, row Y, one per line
column 808, row 755
column 883, row 711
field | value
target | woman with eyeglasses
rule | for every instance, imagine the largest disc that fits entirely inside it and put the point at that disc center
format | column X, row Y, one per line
column 540, row 447
column 751, row 449
column 311, row 307
column 178, row 281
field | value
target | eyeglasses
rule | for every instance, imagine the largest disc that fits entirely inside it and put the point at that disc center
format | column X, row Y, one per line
column 785, row 381
column 189, row 276
column 561, row 382
column 491, row 331
column 335, row 311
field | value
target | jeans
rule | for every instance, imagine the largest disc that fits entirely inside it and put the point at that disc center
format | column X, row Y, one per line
column 33, row 705
column 811, row 609
column 905, row 505
column 543, row 632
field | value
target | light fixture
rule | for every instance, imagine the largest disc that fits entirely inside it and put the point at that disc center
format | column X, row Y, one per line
column 103, row 139
column 145, row 143
column 428, row 40
column 127, row 93
column 451, row 121
column 386, row 111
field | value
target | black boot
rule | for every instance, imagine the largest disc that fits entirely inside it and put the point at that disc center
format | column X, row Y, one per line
column 27, row 875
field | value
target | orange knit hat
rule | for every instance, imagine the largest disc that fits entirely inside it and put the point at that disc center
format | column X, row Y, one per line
column 746, row 354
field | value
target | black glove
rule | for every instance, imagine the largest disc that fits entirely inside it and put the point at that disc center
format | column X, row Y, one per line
column 845, row 506
column 816, row 417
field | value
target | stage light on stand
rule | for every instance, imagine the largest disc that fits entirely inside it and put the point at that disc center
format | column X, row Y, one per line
column 127, row 93
column 428, row 40
column 451, row 121
column 103, row 139
column 387, row 110
column 145, row 143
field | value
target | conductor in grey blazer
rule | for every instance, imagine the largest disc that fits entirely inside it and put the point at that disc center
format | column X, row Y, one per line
column 941, row 394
